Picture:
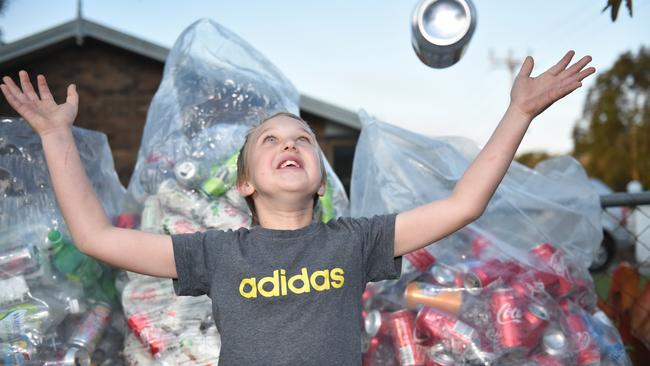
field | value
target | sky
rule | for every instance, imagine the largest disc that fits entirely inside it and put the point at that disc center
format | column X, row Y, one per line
column 358, row 54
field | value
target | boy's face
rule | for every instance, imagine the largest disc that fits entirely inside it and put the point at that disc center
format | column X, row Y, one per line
column 283, row 158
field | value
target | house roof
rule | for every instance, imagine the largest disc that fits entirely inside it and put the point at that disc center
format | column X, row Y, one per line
column 80, row 28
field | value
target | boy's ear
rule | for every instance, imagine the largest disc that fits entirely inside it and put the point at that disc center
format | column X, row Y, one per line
column 245, row 189
column 321, row 189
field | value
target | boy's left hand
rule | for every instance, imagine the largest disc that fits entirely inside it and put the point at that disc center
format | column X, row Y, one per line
column 532, row 95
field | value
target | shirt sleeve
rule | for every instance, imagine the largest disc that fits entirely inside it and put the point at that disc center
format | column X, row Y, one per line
column 378, row 247
column 196, row 257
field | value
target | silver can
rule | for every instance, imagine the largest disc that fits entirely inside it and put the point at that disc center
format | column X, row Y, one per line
column 441, row 31
column 91, row 328
column 188, row 174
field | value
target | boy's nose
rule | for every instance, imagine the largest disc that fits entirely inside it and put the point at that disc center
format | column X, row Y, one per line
column 289, row 145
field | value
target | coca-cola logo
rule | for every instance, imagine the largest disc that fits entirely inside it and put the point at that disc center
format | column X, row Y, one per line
column 583, row 339
column 508, row 314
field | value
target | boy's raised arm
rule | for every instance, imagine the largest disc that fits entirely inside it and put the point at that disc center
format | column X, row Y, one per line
column 529, row 97
column 91, row 229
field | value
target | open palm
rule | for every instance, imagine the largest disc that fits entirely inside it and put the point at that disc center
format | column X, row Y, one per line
column 41, row 112
column 532, row 95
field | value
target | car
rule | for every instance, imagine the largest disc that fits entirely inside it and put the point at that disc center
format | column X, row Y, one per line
column 616, row 234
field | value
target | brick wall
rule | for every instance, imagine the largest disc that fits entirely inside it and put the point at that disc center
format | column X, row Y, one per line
column 115, row 89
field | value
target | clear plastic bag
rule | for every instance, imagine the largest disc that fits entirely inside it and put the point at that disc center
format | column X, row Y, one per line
column 214, row 88
column 510, row 288
column 46, row 285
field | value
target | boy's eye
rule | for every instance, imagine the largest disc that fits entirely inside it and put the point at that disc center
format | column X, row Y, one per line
column 304, row 139
column 269, row 138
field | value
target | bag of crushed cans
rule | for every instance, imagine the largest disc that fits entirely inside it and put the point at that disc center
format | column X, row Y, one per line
column 56, row 304
column 215, row 87
column 512, row 288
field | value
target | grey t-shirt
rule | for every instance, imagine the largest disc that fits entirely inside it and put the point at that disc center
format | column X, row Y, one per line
column 288, row 297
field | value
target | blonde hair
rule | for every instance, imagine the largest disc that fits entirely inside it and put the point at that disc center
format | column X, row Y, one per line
column 242, row 161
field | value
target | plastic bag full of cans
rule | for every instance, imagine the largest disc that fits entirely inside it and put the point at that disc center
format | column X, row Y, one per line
column 512, row 288
column 214, row 88
column 56, row 304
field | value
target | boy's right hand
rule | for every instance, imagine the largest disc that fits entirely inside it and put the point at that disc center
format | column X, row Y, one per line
column 42, row 113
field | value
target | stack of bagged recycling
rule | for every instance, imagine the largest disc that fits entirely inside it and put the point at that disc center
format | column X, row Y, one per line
column 56, row 304
column 512, row 288
column 214, row 88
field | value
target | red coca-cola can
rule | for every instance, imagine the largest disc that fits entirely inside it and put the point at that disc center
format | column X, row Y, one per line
column 552, row 257
column 536, row 319
column 480, row 274
column 408, row 352
column 433, row 326
column 421, row 259
column 508, row 319
column 585, row 345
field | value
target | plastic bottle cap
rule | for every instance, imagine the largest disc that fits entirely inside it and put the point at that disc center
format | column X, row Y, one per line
column 54, row 236
column 14, row 288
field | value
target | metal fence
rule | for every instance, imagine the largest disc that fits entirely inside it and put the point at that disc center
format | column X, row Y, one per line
column 626, row 222
column 626, row 225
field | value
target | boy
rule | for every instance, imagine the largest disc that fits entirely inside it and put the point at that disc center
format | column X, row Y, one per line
column 288, row 290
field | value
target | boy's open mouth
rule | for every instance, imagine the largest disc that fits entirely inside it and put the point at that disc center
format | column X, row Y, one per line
column 289, row 163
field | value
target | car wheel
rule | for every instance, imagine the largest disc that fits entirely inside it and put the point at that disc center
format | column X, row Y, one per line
column 604, row 254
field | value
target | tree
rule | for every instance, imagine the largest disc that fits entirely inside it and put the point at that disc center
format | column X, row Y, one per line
column 612, row 139
column 615, row 6
column 531, row 159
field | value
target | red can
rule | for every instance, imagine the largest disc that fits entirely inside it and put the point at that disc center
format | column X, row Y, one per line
column 585, row 345
column 508, row 317
column 421, row 259
column 536, row 319
column 409, row 353
column 479, row 275
column 437, row 326
column 552, row 257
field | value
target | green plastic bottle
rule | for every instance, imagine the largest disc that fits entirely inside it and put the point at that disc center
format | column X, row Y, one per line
column 67, row 259
column 222, row 178
column 327, row 209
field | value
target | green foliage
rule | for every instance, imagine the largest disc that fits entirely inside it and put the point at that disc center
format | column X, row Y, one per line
column 613, row 138
column 615, row 6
